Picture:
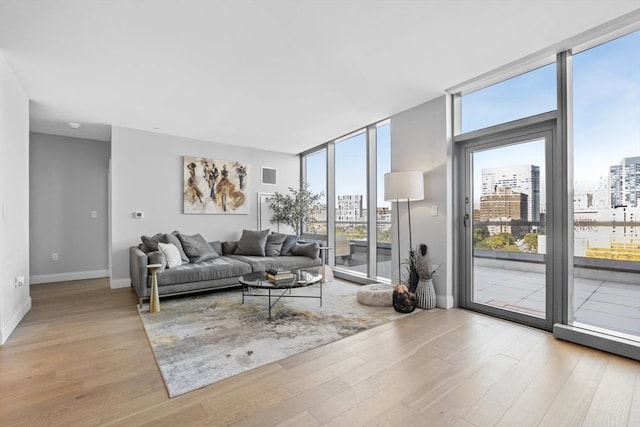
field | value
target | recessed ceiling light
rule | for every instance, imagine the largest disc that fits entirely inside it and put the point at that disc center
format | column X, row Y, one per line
column 73, row 125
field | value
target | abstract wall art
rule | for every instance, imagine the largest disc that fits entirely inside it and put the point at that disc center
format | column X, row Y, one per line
column 215, row 186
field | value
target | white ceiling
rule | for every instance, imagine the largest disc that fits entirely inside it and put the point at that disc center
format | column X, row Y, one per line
column 284, row 75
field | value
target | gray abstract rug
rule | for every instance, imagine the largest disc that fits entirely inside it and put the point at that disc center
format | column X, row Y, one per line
column 199, row 340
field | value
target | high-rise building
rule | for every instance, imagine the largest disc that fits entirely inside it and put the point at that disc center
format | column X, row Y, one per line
column 624, row 182
column 350, row 208
column 523, row 179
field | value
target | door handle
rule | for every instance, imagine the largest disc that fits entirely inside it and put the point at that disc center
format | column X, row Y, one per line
column 466, row 220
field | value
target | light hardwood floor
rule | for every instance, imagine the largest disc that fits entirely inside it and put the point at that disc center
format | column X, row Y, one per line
column 81, row 357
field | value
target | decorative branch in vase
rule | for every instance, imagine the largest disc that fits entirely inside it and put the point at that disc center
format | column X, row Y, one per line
column 420, row 277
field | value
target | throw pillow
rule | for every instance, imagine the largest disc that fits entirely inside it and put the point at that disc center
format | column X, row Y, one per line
column 158, row 258
column 252, row 243
column 170, row 252
column 173, row 238
column 152, row 242
column 228, row 248
column 288, row 243
column 310, row 250
column 274, row 244
column 217, row 246
column 197, row 248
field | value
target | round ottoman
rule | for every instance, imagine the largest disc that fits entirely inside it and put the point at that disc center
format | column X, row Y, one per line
column 377, row 294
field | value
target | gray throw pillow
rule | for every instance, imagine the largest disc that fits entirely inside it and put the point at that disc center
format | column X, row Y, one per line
column 217, row 246
column 173, row 238
column 252, row 243
column 197, row 248
column 310, row 250
column 151, row 243
column 274, row 244
column 289, row 242
column 228, row 248
column 158, row 258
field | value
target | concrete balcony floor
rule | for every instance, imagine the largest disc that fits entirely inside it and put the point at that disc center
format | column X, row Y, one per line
column 608, row 304
column 612, row 302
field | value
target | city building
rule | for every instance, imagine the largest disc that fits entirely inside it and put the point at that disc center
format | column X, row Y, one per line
column 349, row 208
column 624, row 182
column 504, row 206
column 523, row 179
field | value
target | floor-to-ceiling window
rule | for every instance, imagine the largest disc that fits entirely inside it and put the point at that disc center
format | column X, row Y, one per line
column 351, row 200
column 355, row 221
column 606, row 200
column 587, row 230
column 315, row 175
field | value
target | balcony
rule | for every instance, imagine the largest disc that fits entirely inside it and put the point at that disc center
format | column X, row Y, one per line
column 606, row 293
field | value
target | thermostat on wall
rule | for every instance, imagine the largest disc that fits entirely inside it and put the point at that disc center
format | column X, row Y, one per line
column 138, row 214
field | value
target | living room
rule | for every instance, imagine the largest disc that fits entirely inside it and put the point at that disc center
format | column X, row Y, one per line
column 53, row 178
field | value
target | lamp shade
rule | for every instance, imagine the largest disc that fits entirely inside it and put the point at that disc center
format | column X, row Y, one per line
column 403, row 186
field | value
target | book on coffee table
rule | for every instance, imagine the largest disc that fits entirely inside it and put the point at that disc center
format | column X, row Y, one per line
column 278, row 275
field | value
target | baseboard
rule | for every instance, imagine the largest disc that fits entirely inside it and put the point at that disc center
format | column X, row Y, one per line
column 444, row 301
column 120, row 283
column 8, row 329
column 65, row 277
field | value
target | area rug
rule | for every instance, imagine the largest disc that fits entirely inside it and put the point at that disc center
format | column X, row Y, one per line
column 199, row 340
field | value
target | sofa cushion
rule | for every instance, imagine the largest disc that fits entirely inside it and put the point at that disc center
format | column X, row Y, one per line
column 171, row 254
column 310, row 250
column 219, row 268
column 252, row 243
column 288, row 243
column 228, row 248
column 173, row 238
column 274, row 244
column 284, row 262
column 197, row 248
column 151, row 243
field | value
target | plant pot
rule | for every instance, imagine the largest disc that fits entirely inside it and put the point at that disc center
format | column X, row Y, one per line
column 425, row 294
column 404, row 303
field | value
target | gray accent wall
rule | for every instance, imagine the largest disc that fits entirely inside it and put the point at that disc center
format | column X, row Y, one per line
column 15, row 300
column 68, row 182
column 147, row 176
column 421, row 139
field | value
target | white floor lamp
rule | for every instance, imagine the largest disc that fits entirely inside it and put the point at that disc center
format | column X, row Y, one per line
column 400, row 186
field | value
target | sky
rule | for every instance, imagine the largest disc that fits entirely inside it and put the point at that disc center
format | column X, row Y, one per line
column 606, row 103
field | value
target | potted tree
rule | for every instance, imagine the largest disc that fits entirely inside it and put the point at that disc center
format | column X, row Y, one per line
column 295, row 209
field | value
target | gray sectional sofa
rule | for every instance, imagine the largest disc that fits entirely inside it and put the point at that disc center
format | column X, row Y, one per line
column 190, row 264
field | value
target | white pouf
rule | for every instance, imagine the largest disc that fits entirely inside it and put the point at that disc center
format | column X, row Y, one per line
column 377, row 294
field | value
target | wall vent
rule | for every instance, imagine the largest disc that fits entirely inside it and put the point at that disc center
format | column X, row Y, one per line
column 269, row 175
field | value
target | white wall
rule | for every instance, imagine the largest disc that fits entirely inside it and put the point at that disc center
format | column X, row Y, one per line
column 68, row 180
column 146, row 171
column 15, row 302
column 420, row 140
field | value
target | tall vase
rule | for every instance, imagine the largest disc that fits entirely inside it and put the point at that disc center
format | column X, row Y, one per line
column 425, row 294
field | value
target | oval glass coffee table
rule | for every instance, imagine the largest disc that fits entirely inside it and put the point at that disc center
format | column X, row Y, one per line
column 280, row 289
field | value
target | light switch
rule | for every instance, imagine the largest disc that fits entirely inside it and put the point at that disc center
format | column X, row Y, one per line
column 434, row 210
column 94, row 214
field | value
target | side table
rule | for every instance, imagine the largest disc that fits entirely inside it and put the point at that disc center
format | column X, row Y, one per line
column 154, row 300
column 325, row 270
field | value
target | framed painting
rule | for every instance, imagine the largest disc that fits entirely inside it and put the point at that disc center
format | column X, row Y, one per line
column 215, row 186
